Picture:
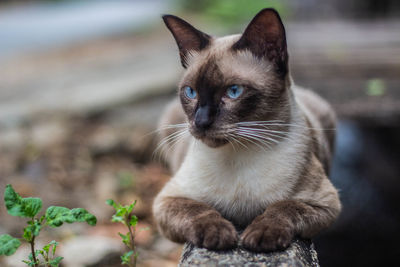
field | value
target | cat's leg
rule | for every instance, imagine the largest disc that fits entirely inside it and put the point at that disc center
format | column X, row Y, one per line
column 306, row 214
column 185, row 220
column 282, row 221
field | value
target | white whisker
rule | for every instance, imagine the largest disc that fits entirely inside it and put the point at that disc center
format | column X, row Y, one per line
column 168, row 139
column 238, row 141
column 259, row 136
column 169, row 126
column 267, row 123
column 251, row 138
column 175, row 141
column 283, row 135
column 231, row 142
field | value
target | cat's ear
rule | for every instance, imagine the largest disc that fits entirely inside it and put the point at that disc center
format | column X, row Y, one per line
column 265, row 37
column 187, row 37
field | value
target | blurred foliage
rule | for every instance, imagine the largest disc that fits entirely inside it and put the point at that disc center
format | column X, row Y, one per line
column 126, row 179
column 230, row 13
column 375, row 87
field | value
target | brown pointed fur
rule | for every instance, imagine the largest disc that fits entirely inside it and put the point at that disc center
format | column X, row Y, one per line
column 273, row 194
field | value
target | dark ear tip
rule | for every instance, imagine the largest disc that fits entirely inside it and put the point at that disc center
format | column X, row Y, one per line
column 169, row 16
column 170, row 19
column 166, row 17
column 269, row 11
column 268, row 14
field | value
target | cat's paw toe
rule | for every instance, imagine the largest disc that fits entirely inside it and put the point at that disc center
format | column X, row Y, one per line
column 214, row 234
column 265, row 238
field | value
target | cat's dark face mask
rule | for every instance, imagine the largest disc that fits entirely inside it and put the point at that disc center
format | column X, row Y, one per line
column 214, row 104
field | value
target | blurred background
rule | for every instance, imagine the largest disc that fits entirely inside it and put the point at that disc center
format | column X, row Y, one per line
column 82, row 83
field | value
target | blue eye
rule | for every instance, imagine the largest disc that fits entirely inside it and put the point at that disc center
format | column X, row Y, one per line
column 234, row 91
column 190, row 92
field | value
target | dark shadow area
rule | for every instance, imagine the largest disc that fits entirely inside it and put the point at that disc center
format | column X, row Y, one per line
column 366, row 170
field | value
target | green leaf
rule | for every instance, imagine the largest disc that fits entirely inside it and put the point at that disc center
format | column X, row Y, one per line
column 121, row 211
column 125, row 238
column 31, row 206
column 31, row 262
column 46, row 248
column 111, row 203
column 21, row 207
column 116, row 218
column 82, row 215
column 131, row 206
column 56, row 261
column 126, row 258
column 37, row 252
column 133, row 221
column 33, row 229
column 8, row 245
column 43, row 253
column 56, row 216
column 55, row 244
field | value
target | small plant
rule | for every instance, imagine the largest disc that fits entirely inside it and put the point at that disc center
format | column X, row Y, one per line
column 123, row 214
column 53, row 217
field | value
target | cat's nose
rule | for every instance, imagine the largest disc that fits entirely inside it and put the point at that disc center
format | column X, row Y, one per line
column 203, row 118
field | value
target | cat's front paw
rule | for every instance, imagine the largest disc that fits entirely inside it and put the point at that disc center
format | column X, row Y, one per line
column 213, row 233
column 263, row 236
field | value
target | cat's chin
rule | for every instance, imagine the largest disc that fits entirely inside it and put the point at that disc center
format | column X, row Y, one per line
column 208, row 138
column 212, row 142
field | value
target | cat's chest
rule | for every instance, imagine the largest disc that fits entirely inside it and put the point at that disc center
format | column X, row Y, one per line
column 238, row 183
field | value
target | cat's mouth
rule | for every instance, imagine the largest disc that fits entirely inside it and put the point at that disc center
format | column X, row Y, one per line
column 210, row 138
column 214, row 142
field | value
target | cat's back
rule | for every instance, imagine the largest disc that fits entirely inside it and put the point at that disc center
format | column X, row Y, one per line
column 322, row 122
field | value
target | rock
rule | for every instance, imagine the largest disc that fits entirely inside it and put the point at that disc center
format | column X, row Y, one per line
column 166, row 248
column 89, row 250
column 300, row 253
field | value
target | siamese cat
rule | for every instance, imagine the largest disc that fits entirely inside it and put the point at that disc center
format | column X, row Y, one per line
column 250, row 151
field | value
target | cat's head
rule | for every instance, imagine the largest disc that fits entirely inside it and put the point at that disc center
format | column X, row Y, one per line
column 234, row 79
